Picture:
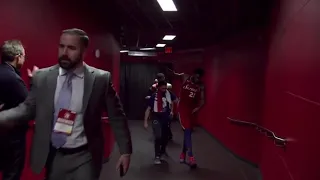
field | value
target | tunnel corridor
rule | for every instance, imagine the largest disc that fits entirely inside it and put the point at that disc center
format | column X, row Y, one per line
column 261, row 63
column 214, row 160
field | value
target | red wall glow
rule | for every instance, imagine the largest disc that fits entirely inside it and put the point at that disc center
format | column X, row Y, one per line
column 274, row 84
column 234, row 71
column 291, row 106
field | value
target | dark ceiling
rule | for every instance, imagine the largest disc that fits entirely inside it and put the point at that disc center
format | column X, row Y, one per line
column 197, row 23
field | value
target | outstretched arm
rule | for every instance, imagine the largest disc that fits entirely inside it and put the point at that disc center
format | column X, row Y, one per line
column 184, row 76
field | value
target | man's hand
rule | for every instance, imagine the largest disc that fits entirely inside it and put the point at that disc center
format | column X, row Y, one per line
column 171, row 114
column 124, row 160
column 35, row 68
column 1, row 106
column 145, row 125
column 195, row 110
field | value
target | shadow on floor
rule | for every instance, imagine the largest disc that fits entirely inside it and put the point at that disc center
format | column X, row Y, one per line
column 214, row 162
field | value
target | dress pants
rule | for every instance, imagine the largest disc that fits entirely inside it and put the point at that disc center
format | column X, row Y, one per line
column 70, row 164
column 12, row 156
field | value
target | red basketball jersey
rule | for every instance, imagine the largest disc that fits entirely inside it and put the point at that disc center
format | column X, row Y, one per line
column 189, row 93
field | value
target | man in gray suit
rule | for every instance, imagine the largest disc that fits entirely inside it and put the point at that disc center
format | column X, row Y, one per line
column 66, row 101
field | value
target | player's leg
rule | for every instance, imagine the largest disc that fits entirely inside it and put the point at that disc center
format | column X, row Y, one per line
column 185, row 124
column 188, row 144
column 184, row 150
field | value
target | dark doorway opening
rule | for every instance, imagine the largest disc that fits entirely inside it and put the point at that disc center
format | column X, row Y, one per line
column 135, row 80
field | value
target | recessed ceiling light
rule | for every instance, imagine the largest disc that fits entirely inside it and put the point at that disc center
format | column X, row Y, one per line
column 124, row 51
column 167, row 5
column 169, row 37
column 146, row 49
column 160, row 45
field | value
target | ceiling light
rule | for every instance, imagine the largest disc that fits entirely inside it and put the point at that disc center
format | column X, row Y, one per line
column 142, row 53
column 167, row 5
column 145, row 49
column 124, row 51
column 160, row 45
column 169, row 37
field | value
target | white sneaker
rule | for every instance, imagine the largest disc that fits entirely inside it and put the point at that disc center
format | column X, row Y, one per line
column 157, row 160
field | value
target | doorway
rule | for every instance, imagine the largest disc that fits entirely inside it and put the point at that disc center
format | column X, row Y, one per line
column 135, row 80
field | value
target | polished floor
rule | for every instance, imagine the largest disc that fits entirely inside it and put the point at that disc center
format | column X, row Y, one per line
column 214, row 161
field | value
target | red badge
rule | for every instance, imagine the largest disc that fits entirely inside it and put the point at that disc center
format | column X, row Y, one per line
column 65, row 121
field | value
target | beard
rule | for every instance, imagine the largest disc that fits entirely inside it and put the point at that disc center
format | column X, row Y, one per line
column 66, row 63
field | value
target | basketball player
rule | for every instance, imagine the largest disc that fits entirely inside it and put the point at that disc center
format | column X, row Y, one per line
column 191, row 100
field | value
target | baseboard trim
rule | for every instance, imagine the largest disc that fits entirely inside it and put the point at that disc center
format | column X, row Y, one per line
column 250, row 163
column 255, row 165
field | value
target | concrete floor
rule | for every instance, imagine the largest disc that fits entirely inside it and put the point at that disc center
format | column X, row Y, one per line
column 214, row 161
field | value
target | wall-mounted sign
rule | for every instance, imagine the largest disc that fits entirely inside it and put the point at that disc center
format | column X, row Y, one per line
column 168, row 50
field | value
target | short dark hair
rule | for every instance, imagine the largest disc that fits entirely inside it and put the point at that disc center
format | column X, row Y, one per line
column 162, row 83
column 84, row 38
column 160, row 75
column 10, row 49
column 199, row 71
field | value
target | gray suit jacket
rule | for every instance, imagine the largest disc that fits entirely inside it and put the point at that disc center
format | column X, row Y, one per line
column 99, row 94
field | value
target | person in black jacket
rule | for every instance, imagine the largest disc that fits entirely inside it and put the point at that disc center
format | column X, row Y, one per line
column 13, row 91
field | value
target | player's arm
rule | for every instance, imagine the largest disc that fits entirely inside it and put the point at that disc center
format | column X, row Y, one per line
column 184, row 76
column 148, row 110
column 150, row 91
column 147, row 114
column 174, row 99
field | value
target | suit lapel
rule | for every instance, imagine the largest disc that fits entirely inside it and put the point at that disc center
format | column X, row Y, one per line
column 89, row 78
column 52, row 84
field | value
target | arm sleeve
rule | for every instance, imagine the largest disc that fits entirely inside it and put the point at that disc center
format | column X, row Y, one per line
column 173, row 96
column 117, row 118
column 151, row 101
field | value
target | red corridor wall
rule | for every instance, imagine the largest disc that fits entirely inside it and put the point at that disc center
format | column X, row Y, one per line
column 292, row 99
column 234, row 88
column 269, row 76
